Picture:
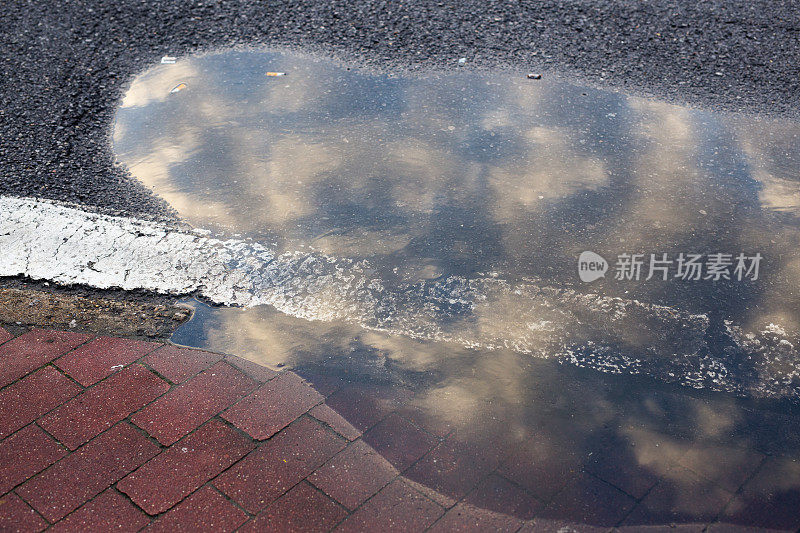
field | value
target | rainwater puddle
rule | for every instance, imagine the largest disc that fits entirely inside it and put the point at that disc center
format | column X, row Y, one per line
column 428, row 231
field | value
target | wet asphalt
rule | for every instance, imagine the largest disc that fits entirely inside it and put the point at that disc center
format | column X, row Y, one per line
column 66, row 65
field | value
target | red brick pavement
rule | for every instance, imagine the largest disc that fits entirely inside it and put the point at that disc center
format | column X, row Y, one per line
column 115, row 434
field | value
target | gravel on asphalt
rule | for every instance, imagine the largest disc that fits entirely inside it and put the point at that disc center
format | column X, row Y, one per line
column 65, row 67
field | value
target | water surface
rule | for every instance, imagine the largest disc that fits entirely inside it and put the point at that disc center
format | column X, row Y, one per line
column 465, row 200
column 427, row 231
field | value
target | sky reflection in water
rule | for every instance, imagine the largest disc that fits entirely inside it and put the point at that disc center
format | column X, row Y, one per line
column 478, row 176
column 475, row 176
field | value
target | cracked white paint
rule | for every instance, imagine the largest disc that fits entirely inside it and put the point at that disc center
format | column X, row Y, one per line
column 64, row 244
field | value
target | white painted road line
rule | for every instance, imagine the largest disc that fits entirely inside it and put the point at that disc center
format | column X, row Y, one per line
column 50, row 241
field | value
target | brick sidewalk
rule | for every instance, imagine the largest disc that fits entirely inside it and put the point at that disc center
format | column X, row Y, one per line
column 117, row 434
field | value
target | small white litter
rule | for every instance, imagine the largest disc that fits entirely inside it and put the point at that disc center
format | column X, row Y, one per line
column 168, row 60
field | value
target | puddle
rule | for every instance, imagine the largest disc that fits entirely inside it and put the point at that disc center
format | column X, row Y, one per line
column 427, row 233
column 455, row 207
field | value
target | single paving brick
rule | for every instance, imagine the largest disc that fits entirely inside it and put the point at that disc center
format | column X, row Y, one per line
column 453, row 468
column 103, row 405
column 273, row 406
column 437, row 497
column 205, row 510
column 101, row 357
column 32, row 396
column 185, row 466
column 543, row 465
column 325, row 384
column 303, row 508
column 25, row 453
column 497, row 494
column 615, row 460
column 397, row 507
column 260, row 373
column 16, row 515
column 324, row 413
column 34, row 349
column 467, row 518
column 727, row 466
column 178, row 364
column 88, row 471
column 4, row 335
column 354, row 475
column 398, row 440
column 588, row 500
column 279, row 464
column 110, row 511
column 193, row 402
column 770, row 499
column 682, row 497
column 427, row 418
column 364, row 406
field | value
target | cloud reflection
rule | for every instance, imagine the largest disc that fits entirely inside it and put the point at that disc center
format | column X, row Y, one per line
column 465, row 175
column 500, row 178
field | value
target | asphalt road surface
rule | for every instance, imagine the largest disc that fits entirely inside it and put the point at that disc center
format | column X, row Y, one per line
column 66, row 66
